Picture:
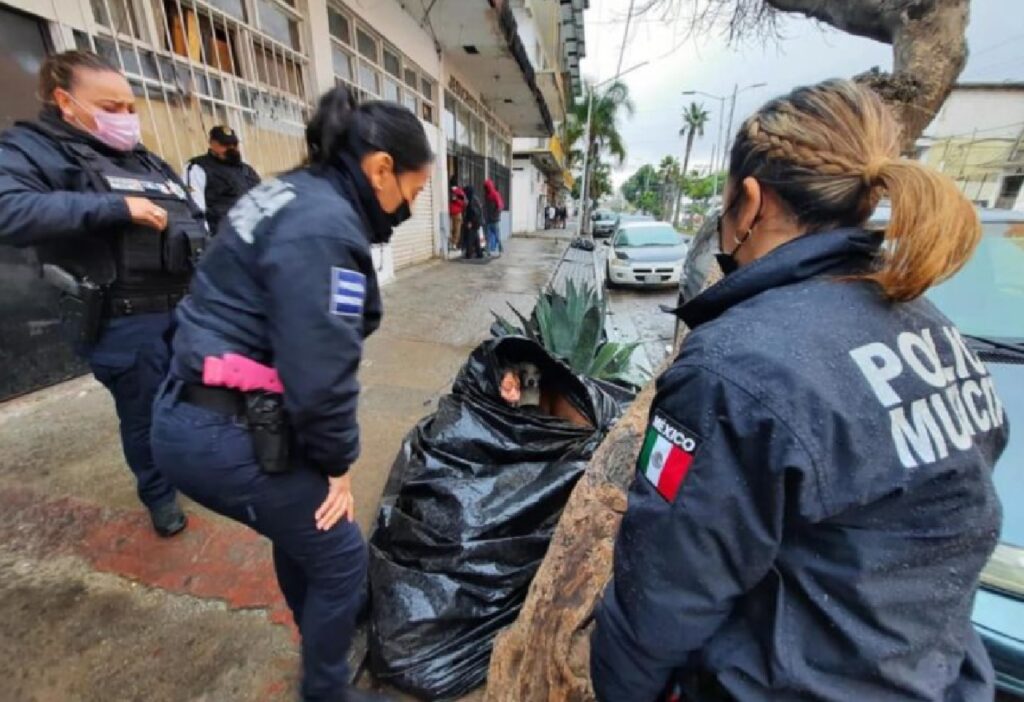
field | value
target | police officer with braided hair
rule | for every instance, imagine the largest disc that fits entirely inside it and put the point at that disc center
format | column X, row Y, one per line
column 813, row 503
column 116, row 233
column 288, row 293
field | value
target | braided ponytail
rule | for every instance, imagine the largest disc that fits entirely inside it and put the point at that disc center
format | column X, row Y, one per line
column 830, row 152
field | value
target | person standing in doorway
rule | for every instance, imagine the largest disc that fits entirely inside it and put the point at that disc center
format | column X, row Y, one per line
column 219, row 177
column 472, row 220
column 493, row 206
column 456, row 207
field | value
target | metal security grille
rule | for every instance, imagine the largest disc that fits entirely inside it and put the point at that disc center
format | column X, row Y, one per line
column 195, row 64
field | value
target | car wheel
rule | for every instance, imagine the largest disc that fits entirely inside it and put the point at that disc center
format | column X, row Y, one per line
column 608, row 282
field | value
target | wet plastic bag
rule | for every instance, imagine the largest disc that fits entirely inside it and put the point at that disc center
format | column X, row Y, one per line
column 468, row 513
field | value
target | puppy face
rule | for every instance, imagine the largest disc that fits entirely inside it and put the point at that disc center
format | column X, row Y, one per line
column 529, row 376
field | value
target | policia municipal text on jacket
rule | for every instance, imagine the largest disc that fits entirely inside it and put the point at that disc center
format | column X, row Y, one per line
column 285, row 296
column 115, row 231
column 789, row 536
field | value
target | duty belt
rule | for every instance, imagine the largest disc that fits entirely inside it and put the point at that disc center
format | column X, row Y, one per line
column 127, row 305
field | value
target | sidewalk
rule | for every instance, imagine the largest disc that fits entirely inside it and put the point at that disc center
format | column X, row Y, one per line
column 95, row 607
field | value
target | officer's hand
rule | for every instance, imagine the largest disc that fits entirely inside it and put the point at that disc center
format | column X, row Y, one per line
column 147, row 213
column 339, row 503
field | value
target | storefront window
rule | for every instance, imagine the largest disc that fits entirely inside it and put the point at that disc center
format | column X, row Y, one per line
column 449, row 118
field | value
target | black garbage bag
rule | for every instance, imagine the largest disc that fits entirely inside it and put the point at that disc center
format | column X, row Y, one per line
column 468, row 513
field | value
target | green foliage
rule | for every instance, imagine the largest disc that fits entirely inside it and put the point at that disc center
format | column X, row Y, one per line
column 571, row 327
column 606, row 143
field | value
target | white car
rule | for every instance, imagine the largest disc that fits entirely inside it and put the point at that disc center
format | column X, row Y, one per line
column 645, row 253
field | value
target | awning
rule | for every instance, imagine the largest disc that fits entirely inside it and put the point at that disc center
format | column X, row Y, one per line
column 481, row 40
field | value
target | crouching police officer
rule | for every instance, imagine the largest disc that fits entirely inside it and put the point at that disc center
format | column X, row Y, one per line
column 813, row 503
column 115, row 232
column 282, row 301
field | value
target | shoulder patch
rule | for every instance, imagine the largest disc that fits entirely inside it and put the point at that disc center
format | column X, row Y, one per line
column 666, row 456
column 348, row 292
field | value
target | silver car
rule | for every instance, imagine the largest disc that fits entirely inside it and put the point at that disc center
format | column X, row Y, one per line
column 645, row 253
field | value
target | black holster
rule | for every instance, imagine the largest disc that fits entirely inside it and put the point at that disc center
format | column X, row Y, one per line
column 268, row 426
column 184, row 243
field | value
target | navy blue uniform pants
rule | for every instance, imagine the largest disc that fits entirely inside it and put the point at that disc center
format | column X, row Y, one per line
column 209, row 457
column 131, row 358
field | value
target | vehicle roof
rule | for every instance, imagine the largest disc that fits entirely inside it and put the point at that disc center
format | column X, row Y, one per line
column 643, row 224
column 883, row 213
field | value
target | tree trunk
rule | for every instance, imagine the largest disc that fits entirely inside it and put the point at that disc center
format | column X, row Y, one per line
column 682, row 179
column 544, row 656
column 929, row 49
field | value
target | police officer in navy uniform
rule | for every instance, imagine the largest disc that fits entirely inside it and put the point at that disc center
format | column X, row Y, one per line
column 813, row 503
column 113, row 226
column 289, row 283
column 219, row 177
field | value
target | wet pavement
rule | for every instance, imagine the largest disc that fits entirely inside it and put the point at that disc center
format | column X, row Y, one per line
column 95, row 607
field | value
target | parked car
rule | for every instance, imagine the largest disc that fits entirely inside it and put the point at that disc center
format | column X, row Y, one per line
column 985, row 299
column 604, row 223
column 645, row 253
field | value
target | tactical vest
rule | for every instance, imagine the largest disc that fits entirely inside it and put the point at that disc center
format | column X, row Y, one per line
column 142, row 262
column 225, row 183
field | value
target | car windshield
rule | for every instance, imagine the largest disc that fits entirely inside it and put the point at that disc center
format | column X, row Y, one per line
column 602, row 216
column 986, row 298
column 647, row 236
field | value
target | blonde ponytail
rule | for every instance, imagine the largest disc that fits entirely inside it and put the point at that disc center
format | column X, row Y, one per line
column 932, row 232
column 830, row 152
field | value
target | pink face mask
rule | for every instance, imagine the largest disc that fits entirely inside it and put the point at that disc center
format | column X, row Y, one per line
column 121, row 132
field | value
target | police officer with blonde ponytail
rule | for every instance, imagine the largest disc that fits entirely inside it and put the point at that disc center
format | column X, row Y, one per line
column 813, row 505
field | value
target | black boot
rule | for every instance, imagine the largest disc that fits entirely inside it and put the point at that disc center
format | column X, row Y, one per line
column 168, row 519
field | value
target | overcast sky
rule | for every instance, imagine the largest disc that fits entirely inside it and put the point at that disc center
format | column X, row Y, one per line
column 809, row 53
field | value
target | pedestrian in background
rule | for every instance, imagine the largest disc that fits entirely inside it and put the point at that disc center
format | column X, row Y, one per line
column 290, row 282
column 472, row 221
column 788, row 534
column 549, row 216
column 493, row 206
column 219, row 177
column 104, row 214
column 456, row 206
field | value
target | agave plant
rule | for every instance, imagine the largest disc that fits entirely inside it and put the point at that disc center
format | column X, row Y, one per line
column 571, row 327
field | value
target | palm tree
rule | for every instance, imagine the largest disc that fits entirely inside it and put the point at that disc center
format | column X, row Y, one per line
column 608, row 106
column 668, row 177
column 694, row 119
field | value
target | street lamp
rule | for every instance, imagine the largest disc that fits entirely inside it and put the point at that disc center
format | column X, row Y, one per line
column 719, row 146
column 584, row 200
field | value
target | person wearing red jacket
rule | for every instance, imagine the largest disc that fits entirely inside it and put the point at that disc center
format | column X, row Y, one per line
column 456, row 206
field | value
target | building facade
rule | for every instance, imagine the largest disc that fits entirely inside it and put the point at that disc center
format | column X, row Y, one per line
column 478, row 73
column 977, row 138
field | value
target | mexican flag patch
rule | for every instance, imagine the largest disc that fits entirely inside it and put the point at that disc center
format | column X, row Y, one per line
column 666, row 456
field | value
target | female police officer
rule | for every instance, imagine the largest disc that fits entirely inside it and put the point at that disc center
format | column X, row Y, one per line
column 289, row 283
column 813, row 503
column 103, row 212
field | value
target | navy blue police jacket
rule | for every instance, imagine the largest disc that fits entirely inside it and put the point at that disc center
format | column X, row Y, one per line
column 289, row 282
column 814, row 503
column 48, row 201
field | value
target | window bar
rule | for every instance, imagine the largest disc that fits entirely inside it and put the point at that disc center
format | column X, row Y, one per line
column 281, row 82
column 235, row 70
column 237, row 81
column 188, row 61
column 115, row 34
column 204, row 60
column 272, row 141
column 166, row 101
column 294, row 102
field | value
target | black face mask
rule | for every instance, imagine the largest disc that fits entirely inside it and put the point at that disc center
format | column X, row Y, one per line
column 404, row 211
column 400, row 215
column 233, row 157
column 727, row 261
